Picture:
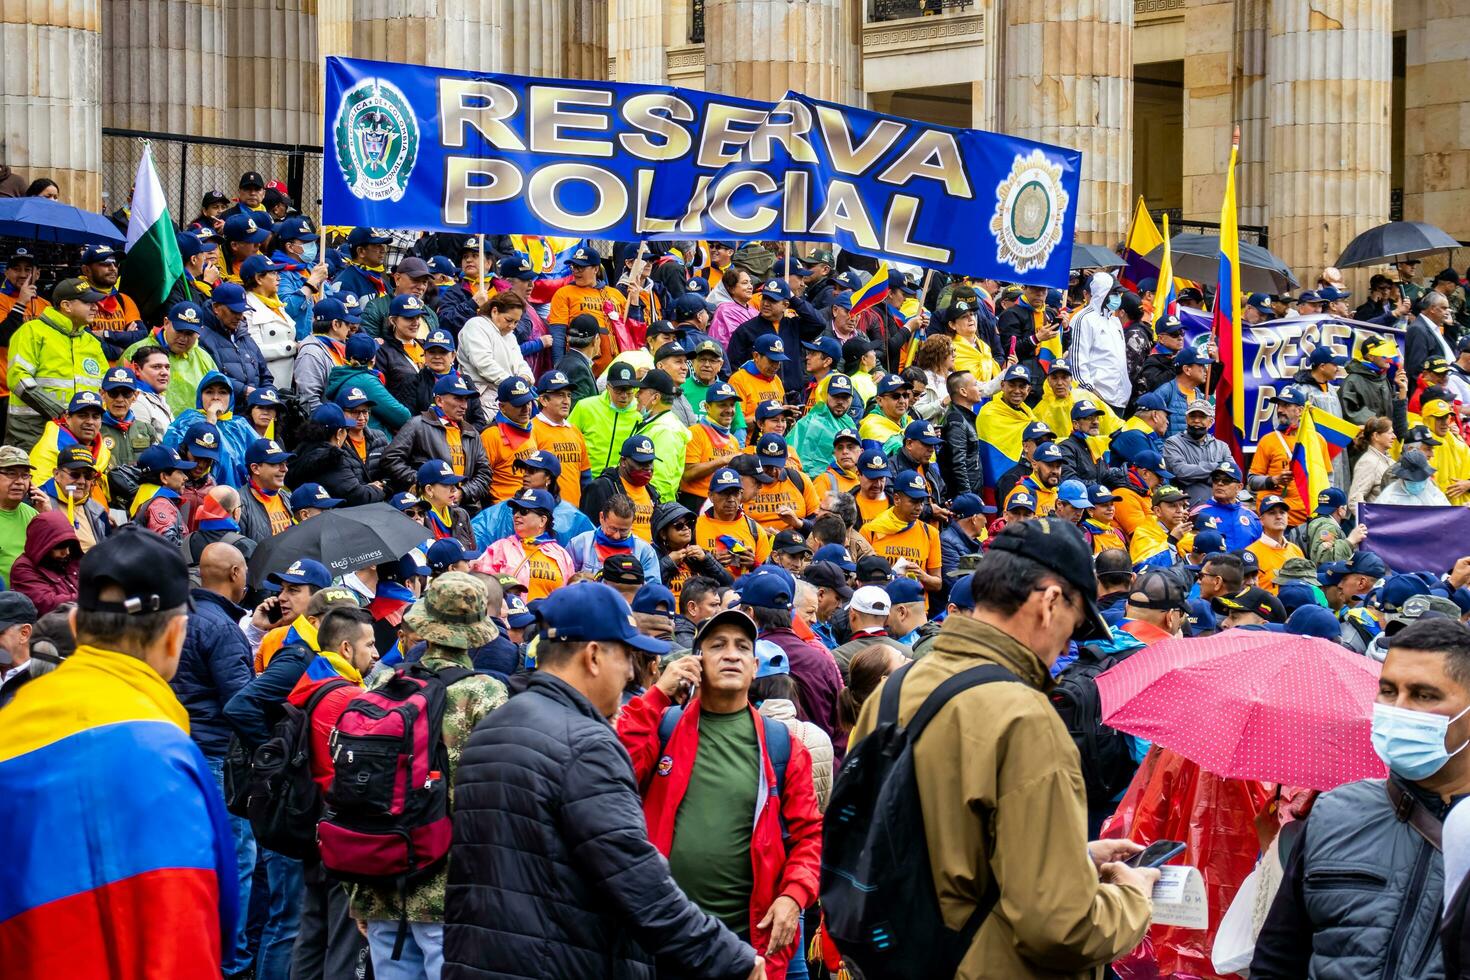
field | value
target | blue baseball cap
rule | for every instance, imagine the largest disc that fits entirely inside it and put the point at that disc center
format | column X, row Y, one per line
column 82, row 401
column 1366, row 563
column 313, row 495
column 1148, row 459
column 516, row 267
column 923, row 431
column 770, row 659
column 1099, row 495
column 1272, row 501
column 1262, row 304
column 329, row 415
column 1074, row 492
column 230, row 295
column 897, row 280
column 1037, row 432
column 187, row 317
column 1048, row 452
column 1150, row 401
column 1290, row 395
column 1021, row 500
column 847, row 434
column 839, row 384
column 266, row 451
column 905, row 589
column 202, row 441
column 764, row 589
column 724, row 480
column 264, row 397
column 776, row 288
column 1016, row 373
column 160, row 459
column 722, row 391
column 351, row 396
column 1329, row 500
column 436, row 472
column 406, row 501
column 771, row 450
column 842, row 301
column 447, row 551
column 539, row 459
column 515, row 391
column 242, row 228
column 872, row 463
column 358, row 237
column 1323, row 353
column 517, row 614
column 655, row 600
column 769, row 409
column 407, row 305
column 970, row 505
column 1228, row 468
column 258, row 265
column 827, row 346
column 771, row 346
column 552, row 380
column 638, row 448
column 891, row 382
column 442, row 265
column 303, row 571
column 361, row 348
column 119, row 378
column 584, row 257
column 441, row 338
column 1331, row 294
column 454, row 383
column 962, row 593
column 911, row 484
column 296, row 228
column 1085, row 409
column 415, row 563
column 192, row 244
column 1189, row 356
column 838, row 555
column 537, row 500
column 590, row 611
column 1209, row 543
column 1313, row 620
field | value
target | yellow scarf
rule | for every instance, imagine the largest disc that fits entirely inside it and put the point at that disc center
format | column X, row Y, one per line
column 415, row 352
column 341, row 666
column 887, row 523
column 271, row 302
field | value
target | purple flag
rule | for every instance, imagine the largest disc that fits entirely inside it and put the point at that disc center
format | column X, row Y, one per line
column 1416, row 539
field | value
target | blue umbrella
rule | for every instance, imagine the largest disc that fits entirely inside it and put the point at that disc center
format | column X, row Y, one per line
column 41, row 220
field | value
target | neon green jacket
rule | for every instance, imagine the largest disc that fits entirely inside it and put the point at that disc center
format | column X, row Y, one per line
column 61, row 358
column 670, row 439
column 604, row 427
column 185, row 372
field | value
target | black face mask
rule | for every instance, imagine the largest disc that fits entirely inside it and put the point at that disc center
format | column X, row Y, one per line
column 1197, row 431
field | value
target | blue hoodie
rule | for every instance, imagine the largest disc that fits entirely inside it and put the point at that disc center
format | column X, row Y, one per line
column 235, row 435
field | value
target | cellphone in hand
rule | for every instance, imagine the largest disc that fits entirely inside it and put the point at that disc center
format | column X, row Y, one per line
column 1155, row 854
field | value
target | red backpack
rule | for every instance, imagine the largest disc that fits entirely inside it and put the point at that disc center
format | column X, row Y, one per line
column 387, row 820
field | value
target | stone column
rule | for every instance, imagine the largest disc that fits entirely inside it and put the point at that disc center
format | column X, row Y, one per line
column 1437, row 119
column 1069, row 80
column 555, row 38
column 162, row 66
column 761, row 49
column 1209, row 103
column 638, row 42
column 274, row 83
column 443, row 34
column 50, row 115
column 1330, row 69
column 1251, row 101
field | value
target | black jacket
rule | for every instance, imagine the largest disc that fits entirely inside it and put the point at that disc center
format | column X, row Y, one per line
column 1018, row 324
column 553, row 873
column 423, row 438
column 424, row 400
column 959, row 457
column 1158, row 368
column 1421, row 342
column 400, row 373
column 608, row 485
column 578, row 369
column 215, row 666
column 254, row 522
column 456, row 308
column 807, row 324
column 1078, row 464
column 336, row 468
column 255, row 709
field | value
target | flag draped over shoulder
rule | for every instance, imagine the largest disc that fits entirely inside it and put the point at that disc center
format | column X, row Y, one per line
column 1000, row 428
column 153, row 262
column 1226, row 326
column 1143, row 238
column 117, row 836
column 1311, row 460
column 872, row 292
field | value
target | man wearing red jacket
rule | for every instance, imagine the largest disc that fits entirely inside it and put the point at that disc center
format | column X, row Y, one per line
column 328, row 943
column 714, row 803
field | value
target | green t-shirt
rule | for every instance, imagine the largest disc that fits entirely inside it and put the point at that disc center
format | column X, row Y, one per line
column 710, row 857
column 13, row 536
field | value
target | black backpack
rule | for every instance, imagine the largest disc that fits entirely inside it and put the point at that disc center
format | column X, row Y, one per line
column 283, row 801
column 291, row 418
column 877, row 888
column 1107, row 758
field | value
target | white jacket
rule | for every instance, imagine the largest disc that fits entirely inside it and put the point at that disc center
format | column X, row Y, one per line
column 1397, row 493
column 274, row 333
column 487, row 356
column 1099, row 357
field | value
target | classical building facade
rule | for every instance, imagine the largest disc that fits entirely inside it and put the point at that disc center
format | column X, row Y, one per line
column 1351, row 111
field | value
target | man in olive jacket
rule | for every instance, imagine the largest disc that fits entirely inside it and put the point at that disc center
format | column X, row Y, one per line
column 999, row 778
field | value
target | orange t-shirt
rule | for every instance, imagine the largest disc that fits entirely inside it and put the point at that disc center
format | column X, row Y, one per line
column 607, row 305
column 567, row 444
column 1271, row 558
column 642, row 511
column 704, row 445
column 739, row 532
column 504, row 444
column 832, row 482
column 117, row 312
column 754, row 389
column 771, row 498
column 869, row 508
column 545, row 574
column 919, row 543
column 1273, row 458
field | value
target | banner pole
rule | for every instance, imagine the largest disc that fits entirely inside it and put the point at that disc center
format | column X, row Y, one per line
column 480, row 286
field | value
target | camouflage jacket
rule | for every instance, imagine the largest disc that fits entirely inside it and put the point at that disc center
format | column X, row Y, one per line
column 466, row 702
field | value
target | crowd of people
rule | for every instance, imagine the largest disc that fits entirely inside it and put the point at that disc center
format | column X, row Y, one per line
column 685, row 508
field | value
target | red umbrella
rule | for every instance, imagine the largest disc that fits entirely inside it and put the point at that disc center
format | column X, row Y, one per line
column 1249, row 704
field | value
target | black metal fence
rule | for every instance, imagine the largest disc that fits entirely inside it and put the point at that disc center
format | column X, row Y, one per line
column 881, row 10
column 696, row 22
column 189, row 166
column 1253, row 234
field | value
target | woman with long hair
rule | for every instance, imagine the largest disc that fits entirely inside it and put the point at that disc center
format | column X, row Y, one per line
column 865, row 672
column 488, row 349
column 43, row 187
column 1371, row 446
column 936, row 358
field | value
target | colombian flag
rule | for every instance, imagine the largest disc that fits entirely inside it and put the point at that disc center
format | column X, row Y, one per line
column 1226, row 327
column 1143, row 238
column 1000, row 428
column 873, row 291
column 1169, row 305
column 117, row 836
column 1320, row 437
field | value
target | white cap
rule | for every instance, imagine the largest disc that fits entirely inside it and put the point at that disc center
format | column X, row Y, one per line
column 871, row 600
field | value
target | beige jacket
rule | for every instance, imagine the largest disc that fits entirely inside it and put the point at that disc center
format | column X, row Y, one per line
column 818, row 745
column 1001, row 787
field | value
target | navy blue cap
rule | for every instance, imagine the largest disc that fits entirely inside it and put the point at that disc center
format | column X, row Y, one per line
column 296, row 228
column 454, row 383
column 246, row 228
column 539, row 459
column 872, row 463
column 82, row 401
column 1323, row 353
column 1313, row 620
column 1189, row 355
column 517, row 614
column 1330, row 499
column 515, row 391
column 1367, row 563
column 230, row 295
column 585, row 256
column 1272, row 501
column 911, row 484
column 838, row 555
column 119, row 378
column 590, row 611
column 969, row 505
column 415, row 563
column 842, row 301
column 191, row 244
column 655, row 600
column 258, row 265
column 1261, row 302
column 1085, row 409
column 1021, row 500
column 962, row 594
column 437, row 472
column 771, row 346
column 638, row 448
column 186, row 316
column 329, row 415
column 765, row 589
column 923, row 431
column 159, row 459
column 1037, row 432
column 1209, row 543
column 538, row 500
column 442, row 265
column 1048, row 452
column 1168, row 324
column 1291, row 395
column 303, row 571
column 687, row 307
column 447, row 551
column 1229, row 468
column 847, row 434
column 201, row 441
column 440, row 338
column 769, row 410
column 829, row 346
column 839, row 384
column 1331, row 294
column 358, row 237
column 407, row 305
column 406, row 501
column 313, row 495
column 892, row 382
column 1150, row 402
column 263, row 397
column 1098, row 495
column 771, row 450
column 552, row 381
column 266, row 451
column 905, row 589
column 515, row 267
column 351, row 396
column 1148, row 459
column 723, row 480
column 776, row 288
column 722, row 391
column 897, row 280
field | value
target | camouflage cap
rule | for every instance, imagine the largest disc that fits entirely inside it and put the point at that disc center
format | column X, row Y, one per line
column 451, row 613
column 1297, row 570
column 11, row 456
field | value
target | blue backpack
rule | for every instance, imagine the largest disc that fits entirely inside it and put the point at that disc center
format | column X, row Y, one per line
column 778, row 741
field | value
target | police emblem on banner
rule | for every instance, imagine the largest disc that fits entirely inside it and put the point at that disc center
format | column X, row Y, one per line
column 1030, row 207
column 377, row 140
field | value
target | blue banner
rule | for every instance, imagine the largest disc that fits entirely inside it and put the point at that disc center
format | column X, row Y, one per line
column 1277, row 349
column 1416, row 539
column 410, row 147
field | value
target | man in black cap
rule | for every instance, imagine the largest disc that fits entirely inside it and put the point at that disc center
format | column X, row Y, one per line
column 624, row 573
column 411, row 277
column 1114, row 580
column 1034, row 592
column 833, row 593
column 1252, row 608
column 17, row 618
column 584, row 346
column 549, row 759
column 251, row 198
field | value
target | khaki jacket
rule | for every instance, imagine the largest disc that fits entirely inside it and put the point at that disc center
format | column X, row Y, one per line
column 1001, row 787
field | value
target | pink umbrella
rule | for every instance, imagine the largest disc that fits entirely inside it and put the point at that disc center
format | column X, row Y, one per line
column 1248, row 704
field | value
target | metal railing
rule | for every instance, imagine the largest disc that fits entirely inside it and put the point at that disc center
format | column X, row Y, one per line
column 881, row 10
column 189, row 166
column 1253, row 234
column 696, row 22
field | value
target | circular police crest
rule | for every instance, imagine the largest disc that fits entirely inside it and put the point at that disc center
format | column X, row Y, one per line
column 91, row 367
column 1030, row 206
column 377, row 140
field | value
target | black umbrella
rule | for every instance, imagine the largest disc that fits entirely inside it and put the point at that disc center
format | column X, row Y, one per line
column 1395, row 241
column 1197, row 257
column 1086, row 256
column 344, row 539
